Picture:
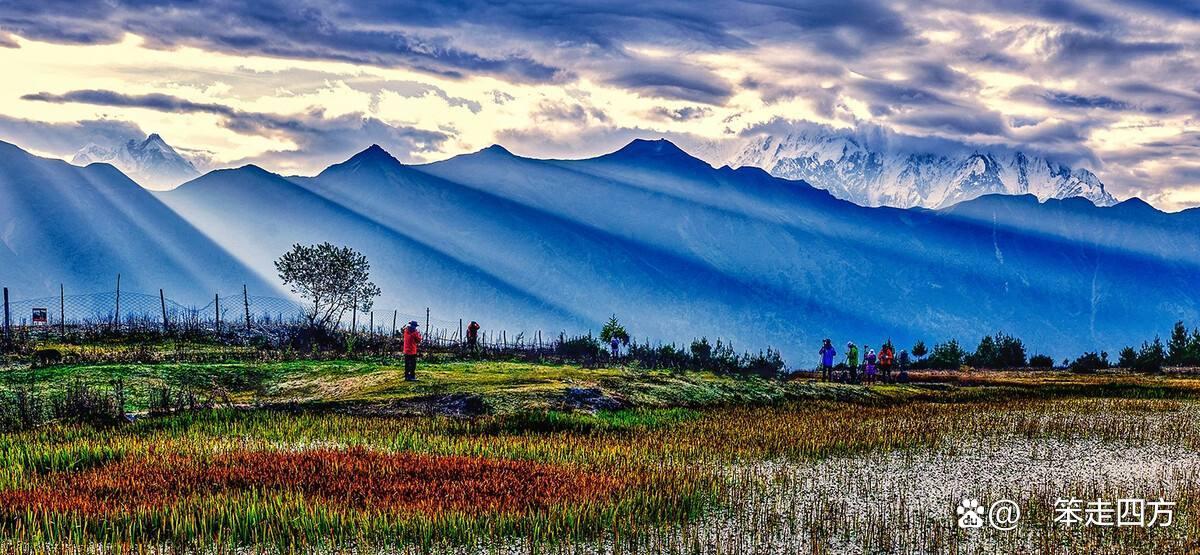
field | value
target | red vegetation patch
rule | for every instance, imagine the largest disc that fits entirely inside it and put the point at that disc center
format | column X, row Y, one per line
column 354, row 479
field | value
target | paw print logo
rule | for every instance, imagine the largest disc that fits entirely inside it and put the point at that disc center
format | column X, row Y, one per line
column 970, row 514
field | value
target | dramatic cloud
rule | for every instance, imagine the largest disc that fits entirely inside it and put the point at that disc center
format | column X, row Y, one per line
column 154, row 101
column 314, row 134
column 299, row 83
column 59, row 138
column 671, row 80
column 679, row 114
column 1106, row 51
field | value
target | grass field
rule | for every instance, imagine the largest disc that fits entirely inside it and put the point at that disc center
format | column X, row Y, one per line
column 334, row 456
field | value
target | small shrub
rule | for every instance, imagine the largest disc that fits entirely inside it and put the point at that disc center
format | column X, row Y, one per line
column 584, row 347
column 46, row 357
column 1041, row 361
column 85, row 404
column 946, row 356
column 1152, row 357
column 1128, row 358
column 1090, row 362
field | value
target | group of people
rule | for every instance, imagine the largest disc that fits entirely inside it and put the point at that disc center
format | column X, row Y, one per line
column 874, row 365
column 412, row 345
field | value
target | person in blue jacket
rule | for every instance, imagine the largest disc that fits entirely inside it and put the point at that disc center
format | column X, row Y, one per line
column 827, row 354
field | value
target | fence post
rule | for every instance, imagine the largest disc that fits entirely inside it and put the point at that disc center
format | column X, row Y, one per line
column 426, row 319
column 62, row 310
column 460, row 335
column 7, row 321
column 246, row 302
column 394, row 322
column 118, row 312
column 371, row 328
column 162, row 300
column 354, row 314
column 217, row 310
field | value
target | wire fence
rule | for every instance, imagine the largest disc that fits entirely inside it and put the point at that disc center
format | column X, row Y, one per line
column 229, row 310
column 234, row 316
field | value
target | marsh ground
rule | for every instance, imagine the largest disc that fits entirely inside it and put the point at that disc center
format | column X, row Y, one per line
column 682, row 462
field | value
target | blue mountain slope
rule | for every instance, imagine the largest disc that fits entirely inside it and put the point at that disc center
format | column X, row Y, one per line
column 260, row 215
column 60, row 223
column 1066, row 275
column 580, row 267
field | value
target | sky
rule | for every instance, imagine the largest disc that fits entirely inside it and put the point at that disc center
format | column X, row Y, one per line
column 294, row 86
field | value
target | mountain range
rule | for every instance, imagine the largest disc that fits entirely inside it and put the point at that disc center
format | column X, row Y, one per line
column 870, row 171
column 674, row 247
column 151, row 161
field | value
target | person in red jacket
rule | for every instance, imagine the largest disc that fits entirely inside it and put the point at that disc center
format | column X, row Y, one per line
column 412, row 341
column 887, row 356
column 473, row 336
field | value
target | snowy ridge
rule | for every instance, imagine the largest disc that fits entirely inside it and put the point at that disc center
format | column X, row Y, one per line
column 151, row 162
column 871, row 175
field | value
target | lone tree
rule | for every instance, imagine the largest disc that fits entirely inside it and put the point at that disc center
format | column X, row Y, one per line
column 332, row 280
column 919, row 350
column 1178, row 347
column 614, row 330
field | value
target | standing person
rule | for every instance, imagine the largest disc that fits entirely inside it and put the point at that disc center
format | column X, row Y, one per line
column 887, row 356
column 412, row 341
column 869, row 359
column 615, row 345
column 903, row 361
column 852, row 361
column 827, row 354
column 473, row 335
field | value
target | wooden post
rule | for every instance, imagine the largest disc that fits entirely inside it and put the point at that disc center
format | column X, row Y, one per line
column 371, row 326
column 394, row 322
column 62, row 310
column 118, row 313
column 7, row 320
column 426, row 319
column 162, row 300
column 217, row 310
column 246, row 303
column 354, row 315
column 461, row 339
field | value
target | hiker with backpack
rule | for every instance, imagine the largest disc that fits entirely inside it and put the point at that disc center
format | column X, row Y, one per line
column 852, row 362
column 902, row 361
column 473, row 335
column 869, row 360
column 412, row 341
column 887, row 356
column 827, row 353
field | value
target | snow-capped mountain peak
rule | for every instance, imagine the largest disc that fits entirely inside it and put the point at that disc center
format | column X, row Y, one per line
column 151, row 161
column 871, row 171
